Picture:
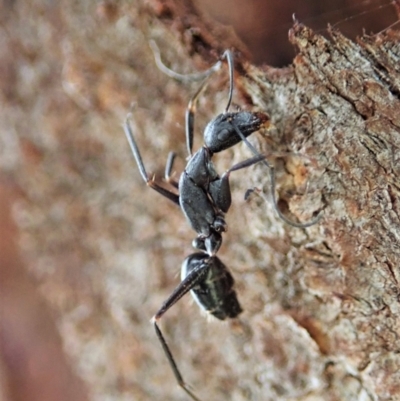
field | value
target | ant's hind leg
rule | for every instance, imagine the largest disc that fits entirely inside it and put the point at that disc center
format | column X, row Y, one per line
column 189, row 282
column 172, row 363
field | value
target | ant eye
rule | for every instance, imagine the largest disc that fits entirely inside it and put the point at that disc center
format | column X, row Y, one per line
column 223, row 135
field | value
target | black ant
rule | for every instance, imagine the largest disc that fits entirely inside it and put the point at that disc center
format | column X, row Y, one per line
column 205, row 198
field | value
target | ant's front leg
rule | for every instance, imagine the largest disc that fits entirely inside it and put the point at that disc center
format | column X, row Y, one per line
column 149, row 181
column 273, row 185
column 202, row 76
column 191, row 109
column 220, row 189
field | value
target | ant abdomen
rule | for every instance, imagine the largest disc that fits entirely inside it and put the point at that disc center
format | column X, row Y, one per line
column 214, row 293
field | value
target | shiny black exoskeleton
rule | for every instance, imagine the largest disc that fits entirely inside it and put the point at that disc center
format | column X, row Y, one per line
column 204, row 198
column 215, row 292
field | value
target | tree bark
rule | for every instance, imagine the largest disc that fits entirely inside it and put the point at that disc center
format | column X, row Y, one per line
column 321, row 303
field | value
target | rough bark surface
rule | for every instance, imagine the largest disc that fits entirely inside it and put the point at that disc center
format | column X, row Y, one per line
column 321, row 304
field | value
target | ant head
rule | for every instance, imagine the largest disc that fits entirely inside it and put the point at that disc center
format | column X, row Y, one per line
column 227, row 129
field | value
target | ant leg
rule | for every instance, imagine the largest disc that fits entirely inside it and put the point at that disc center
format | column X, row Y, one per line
column 149, row 181
column 189, row 117
column 189, row 282
column 273, row 185
column 202, row 76
column 248, row 193
column 172, row 363
column 168, row 170
column 220, row 189
column 191, row 109
column 280, row 214
column 247, row 163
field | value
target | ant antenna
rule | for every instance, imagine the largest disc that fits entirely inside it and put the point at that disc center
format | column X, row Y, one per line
column 273, row 187
column 229, row 57
column 204, row 198
column 189, row 123
column 191, row 109
column 199, row 76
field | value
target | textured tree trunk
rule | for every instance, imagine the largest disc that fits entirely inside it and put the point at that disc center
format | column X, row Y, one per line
column 321, row 303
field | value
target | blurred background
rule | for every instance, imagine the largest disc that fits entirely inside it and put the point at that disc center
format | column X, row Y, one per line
column 32, row 362
column 263, row 25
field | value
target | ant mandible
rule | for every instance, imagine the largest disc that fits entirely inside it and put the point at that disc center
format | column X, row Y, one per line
column 204, row 198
